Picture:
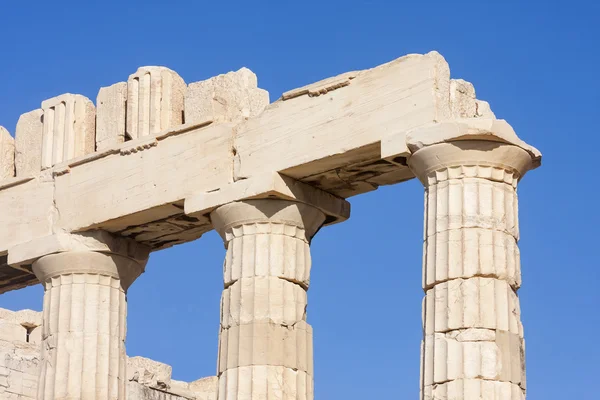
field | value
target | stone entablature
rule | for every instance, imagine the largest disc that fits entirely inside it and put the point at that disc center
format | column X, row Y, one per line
column 93, row 190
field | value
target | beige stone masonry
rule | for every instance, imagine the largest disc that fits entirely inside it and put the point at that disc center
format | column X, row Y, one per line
column 28, row 143
column 22, row 326
column 167, row 163
column 451, row 356
column 472, row 303
column 69, row 128
column 473, row 337
column 7, row 155
column 231, row 97
column 474, row 389
column 270, row 300
column 202, row 389
column 264, row 339
column 265, row 382
column 271, row 185
column 111, row 110
column 155, row 101
column 148, row 372
column 84, row 318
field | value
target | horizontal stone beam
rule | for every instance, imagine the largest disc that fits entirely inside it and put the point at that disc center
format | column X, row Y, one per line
column 321, row 143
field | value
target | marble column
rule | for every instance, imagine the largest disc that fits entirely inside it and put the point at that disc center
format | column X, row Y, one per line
column 473, row 346
column 265, row 345
column 84, row 324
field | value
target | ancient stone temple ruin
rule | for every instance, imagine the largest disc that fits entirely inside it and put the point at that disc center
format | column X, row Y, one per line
column 88, row 191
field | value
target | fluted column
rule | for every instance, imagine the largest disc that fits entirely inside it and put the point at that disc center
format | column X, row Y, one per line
column 473, row 345
column 84, row 324
column 265, row 345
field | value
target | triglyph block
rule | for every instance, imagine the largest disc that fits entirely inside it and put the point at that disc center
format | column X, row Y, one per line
column 155, row 97
column 28, row 143
column 69, row 128
column 230, row 97
column 7, row 154
column 110, row 115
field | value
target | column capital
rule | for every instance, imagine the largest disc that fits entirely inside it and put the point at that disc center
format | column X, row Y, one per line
column 483, row 148
column 123, row 269
column 274, row 215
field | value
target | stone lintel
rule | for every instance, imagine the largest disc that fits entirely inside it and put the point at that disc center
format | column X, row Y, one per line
column 274, row 185
column 99, row 241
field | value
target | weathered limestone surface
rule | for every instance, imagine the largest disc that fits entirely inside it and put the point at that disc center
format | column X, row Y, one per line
column 473, row 344
column 347, row 112
column 265, row 348
column 20, row 362
column 267, row 181
column 28, row 143
column 31, row 201
column 84, row 323
column 110, row 115
column 202, row 389
column 69, row 128
column 7, row 155
column 231, row 97
column 19, row 354
column 148, row 372
column 155, row 98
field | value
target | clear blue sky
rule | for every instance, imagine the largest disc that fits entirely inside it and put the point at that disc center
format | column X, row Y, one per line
column 536, row 62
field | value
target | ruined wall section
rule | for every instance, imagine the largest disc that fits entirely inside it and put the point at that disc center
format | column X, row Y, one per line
column 20, row 361
column 20, row 337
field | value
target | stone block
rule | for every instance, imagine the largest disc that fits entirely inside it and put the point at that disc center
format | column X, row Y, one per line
column 155, row 101
column 7, row 155
column 473, row 389
column 484, row 110
column 265, row 382
column 148, row 372
column 28, row 143
column 267, row 249
column 462, row 99
column 445, row 358
column 69, row 128
column 447, row 255
column 267, row 344
column 263, row 299
column 11, row 331
column 111, row 105
column 205, row 388
column 472, row 303
column 231, row 97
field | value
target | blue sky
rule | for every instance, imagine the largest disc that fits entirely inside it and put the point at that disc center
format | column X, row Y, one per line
column 535, row 62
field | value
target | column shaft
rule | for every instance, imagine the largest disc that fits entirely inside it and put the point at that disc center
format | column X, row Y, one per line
column 84, row 326
column 473, row 344
column 265, row 344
